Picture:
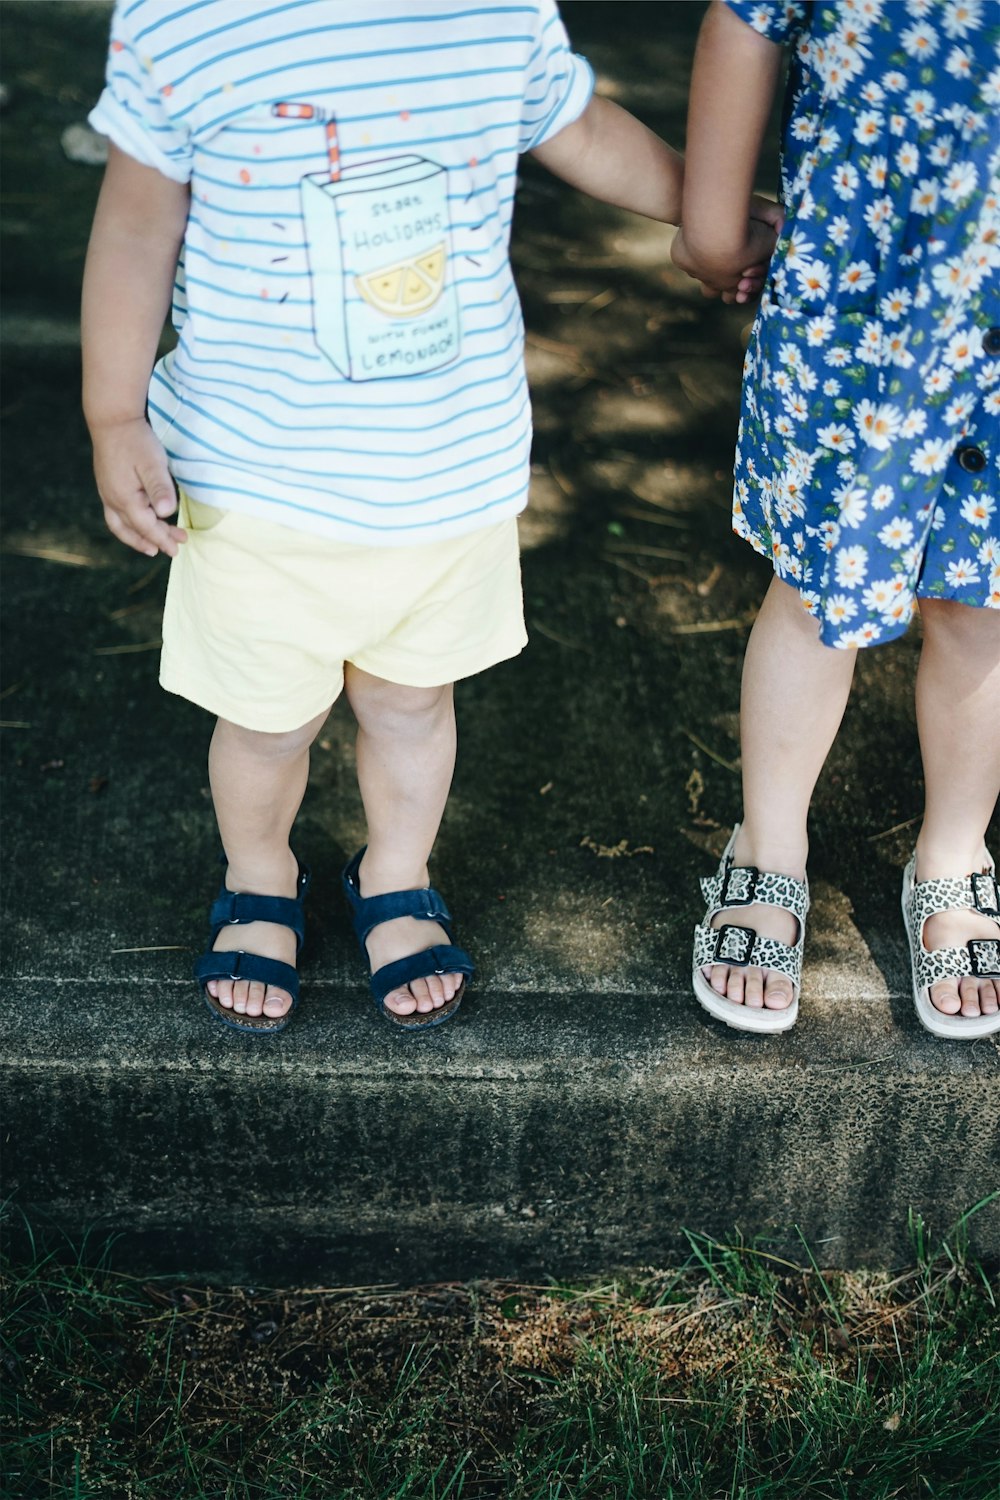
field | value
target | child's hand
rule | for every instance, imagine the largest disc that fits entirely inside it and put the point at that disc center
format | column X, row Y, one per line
column 763, row 228
column 135, row 487
column 763, row 211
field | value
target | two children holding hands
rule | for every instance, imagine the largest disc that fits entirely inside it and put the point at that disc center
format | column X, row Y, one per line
column 326, row 195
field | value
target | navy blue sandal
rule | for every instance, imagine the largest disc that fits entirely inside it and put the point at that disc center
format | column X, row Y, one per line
column 368, row 912
column 232, row 907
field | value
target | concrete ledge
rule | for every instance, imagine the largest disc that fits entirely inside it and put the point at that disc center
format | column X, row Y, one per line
column 533, row 1134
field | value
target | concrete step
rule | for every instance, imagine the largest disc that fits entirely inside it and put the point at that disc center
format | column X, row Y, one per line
column 543, row 1131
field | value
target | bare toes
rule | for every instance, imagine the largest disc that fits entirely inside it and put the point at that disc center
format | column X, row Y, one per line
column 944, row 997
column 255, row 998
column 436, row 989
column 971, row 992
column 989, row 999
column 422, row 995
column 276, row 1002
column 778, row 994
column 400, row 1002
column 734, row 987
column 753, row 989
column 718, row 978
column 222, row 990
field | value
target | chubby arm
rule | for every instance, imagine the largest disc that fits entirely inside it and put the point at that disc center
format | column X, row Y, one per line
column 607, row 153
column 733, row 82
column 131, row 261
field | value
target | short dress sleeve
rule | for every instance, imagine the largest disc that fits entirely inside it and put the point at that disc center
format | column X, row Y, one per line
column 558, row 84
column 778, row 20
column 133, row 110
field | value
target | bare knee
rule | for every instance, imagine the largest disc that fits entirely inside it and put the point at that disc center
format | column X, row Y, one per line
column 381, row 706
column 262, row 746
column 783, row 602
column 965, row 627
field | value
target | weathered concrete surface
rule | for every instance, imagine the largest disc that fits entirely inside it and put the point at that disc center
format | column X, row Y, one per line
column 536, row 1134
column 581, row 1110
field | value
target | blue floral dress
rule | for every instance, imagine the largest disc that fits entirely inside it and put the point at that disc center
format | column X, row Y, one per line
column 868, row 459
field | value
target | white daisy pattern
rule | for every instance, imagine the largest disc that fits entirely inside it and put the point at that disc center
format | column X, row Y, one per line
column 878, row 485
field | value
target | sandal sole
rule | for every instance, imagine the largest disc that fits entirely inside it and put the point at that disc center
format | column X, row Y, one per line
column 225, row 1018
column 764, row 1022
column 428, row 1019
column 949, row 1028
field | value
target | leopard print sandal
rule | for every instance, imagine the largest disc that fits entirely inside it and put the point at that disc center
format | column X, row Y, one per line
column 741, row 947
column 979, row 958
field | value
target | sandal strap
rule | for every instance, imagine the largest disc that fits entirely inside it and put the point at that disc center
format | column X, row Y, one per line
column 231, row 908
column 253, row 966
column 742, row 948
column 369, row 912
column 443, row 959
column 978, row 959
column 975, row 892
column 744, row 885
column 372, row 911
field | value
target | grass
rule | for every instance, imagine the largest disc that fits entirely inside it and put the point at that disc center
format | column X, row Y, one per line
column 738, row 1376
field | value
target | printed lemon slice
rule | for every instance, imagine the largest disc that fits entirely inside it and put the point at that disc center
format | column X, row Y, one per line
column 407, row 287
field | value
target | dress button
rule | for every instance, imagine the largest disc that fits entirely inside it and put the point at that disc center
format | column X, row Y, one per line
column 991, row 341
column 971, row 459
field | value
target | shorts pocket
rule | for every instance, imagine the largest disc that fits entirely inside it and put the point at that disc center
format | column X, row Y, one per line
column 197, row 517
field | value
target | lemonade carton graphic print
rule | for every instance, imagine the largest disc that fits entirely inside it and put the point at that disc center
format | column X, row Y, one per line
column 378, row 241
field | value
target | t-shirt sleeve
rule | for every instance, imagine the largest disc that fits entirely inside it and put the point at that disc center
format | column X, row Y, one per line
column 558, row 84
column 132, row 111
column 778, row 20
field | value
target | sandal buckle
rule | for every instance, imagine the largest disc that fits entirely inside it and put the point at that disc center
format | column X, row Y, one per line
column 739, row 887
column 236, row 959
column 233, row 910
column 734, row 945
column 985, row 895
column 985, row 956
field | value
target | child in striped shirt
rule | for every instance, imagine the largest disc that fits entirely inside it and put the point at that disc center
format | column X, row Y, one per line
column 325, row 188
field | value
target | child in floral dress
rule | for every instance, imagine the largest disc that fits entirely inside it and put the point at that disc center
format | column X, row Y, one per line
column 867, row 461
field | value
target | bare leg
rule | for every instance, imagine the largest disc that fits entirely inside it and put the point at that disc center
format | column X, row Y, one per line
column 795, row 691
column 958, row 719
column 406, row 757
column 257, row 785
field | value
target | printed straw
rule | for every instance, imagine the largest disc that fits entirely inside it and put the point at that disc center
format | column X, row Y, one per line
column 333, row 149
column 293, row 111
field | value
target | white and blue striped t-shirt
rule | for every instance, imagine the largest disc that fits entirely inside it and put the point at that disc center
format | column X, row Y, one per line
column 350, row 356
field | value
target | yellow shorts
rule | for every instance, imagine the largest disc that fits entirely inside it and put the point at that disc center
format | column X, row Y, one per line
column 260, row 618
